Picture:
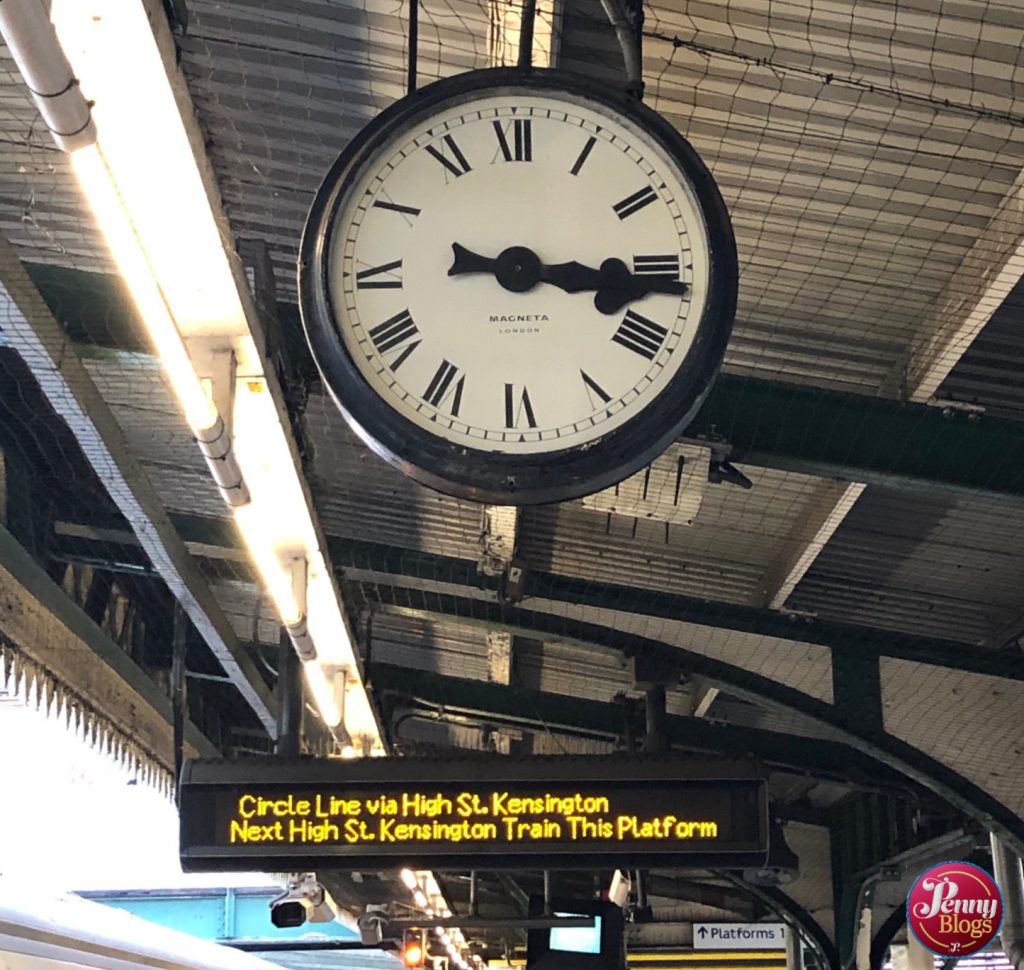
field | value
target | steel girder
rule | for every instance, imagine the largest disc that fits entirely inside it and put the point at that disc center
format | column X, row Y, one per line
column 832, row 434
column 863, row 734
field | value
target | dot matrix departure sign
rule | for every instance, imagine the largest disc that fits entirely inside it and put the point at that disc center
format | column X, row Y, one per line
column 955, row 909
column 450, row 812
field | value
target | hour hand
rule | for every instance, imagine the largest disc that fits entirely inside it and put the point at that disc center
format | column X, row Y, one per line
column 518, row 269
column 466, row 261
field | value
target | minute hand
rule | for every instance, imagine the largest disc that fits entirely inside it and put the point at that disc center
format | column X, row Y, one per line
column 614, row 284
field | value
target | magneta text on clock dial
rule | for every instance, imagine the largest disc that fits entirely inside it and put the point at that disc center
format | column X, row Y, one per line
column 518, row 274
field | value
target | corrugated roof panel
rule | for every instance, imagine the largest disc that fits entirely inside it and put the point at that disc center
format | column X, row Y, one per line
column 359, row 495
column 576, row 671
column 928, row 565
column 861, row 149
column 732, row 710
column 442, row 648
column 728, row 552
column 251, row 612
column 991, row 372
column 282, row 89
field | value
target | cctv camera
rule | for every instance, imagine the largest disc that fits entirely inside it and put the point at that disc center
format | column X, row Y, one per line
column 287, row 913
column 304, row 899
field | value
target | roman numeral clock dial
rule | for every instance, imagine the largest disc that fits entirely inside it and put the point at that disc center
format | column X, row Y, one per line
column 518, row 289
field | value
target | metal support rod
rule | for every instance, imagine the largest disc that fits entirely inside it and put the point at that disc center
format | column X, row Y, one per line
column 623, row 27
column 414, row 41
column 213, row 678
column 529, row 16
column 1009, row 876
column 547, row 892
column 641, row 889
column 178, row 644
column 289, row 700
column 656, row 739
column 472, row 893
column 793, row 948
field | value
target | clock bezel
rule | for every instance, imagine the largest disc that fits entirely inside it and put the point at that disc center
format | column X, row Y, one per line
column 488, row 476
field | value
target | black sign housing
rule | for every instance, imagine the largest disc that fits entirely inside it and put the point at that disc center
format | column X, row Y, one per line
column 470, row 812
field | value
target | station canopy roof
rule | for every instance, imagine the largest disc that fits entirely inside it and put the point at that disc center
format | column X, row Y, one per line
column 847, row 608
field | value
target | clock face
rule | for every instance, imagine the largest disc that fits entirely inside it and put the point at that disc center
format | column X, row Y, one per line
column 509, row 276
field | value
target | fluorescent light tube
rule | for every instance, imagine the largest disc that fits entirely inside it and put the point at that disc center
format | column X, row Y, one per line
column 323, row 693
column 112, row 49
column 107, row 206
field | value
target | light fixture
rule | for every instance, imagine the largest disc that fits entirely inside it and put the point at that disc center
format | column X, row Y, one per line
column 408, row 877
column 141, row 168
column 424, row 888
column 120, row 236
column 42, row 62
column 413, row 954
column 114, row 53
column 323, row 693
column 94, row 175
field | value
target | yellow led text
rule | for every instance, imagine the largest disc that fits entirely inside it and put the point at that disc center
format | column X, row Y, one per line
column 438, row 818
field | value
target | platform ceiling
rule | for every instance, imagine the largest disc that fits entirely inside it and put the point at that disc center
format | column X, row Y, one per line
column 853, row 618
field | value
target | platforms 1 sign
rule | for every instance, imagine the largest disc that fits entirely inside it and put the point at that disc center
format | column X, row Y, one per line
column 480, row 813
column 739, row 936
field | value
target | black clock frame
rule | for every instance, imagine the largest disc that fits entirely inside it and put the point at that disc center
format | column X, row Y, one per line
column 487, row 476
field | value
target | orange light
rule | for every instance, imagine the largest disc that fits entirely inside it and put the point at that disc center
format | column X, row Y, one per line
column 413, row 955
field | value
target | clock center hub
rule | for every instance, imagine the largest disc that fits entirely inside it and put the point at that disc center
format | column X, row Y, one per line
column 517, row 269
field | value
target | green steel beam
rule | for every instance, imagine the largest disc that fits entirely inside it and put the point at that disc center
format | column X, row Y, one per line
column 40, row 620
column 911, row 761
column 850, row 437
column 856, row 649
column 862, row 645
column 520, row 706
column 865, row 645
column 405, row 565
column 853, row 437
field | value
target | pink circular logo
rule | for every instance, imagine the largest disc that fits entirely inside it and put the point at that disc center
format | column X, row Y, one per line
column 955, row 909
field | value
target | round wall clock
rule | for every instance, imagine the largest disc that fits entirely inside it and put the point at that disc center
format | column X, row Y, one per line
column 518, row 286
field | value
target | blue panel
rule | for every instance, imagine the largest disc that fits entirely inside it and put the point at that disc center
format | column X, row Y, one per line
column 198, row 916
column 203, row 915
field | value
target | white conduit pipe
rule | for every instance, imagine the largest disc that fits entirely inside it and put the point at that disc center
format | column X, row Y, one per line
column 33, row 44
column 215, row 444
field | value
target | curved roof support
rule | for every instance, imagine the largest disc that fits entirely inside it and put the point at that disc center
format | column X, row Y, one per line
column 795, row 916
column 864, row 734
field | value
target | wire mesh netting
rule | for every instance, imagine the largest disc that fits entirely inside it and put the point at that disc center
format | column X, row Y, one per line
column 868, row 153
